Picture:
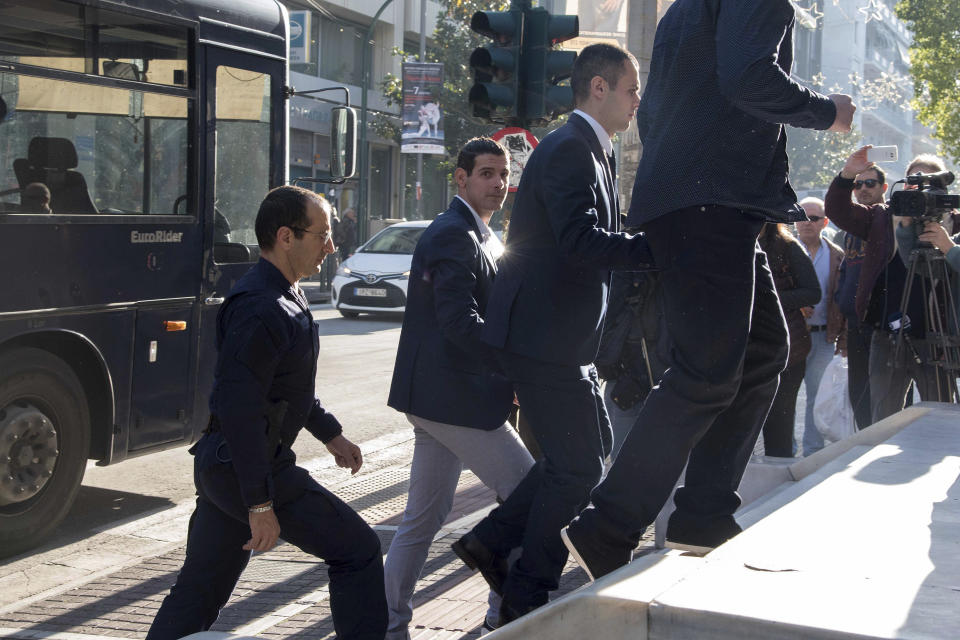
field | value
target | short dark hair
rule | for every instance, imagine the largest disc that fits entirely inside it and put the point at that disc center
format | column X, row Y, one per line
column 478, row 147
column 881, row 176
column 604, row 60
column 284, row 206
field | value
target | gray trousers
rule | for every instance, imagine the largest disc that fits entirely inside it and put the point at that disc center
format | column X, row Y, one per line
column 440, row 452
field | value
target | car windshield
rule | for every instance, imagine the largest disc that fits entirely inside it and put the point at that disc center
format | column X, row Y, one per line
column 394, row 240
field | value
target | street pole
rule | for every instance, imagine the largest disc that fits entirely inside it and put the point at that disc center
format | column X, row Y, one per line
column 363, row 215
column 423, row 54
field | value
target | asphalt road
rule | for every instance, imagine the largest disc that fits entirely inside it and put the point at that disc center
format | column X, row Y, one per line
column 353, row 379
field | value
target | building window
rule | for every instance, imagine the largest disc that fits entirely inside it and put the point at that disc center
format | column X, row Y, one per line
column 341, row 51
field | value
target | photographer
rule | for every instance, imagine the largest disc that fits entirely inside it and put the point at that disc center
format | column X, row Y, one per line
column 910, row 231
column 880, row 287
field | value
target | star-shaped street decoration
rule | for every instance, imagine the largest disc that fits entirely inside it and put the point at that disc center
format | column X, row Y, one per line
column 814, row 11
column 807, row 16
column 872, row 11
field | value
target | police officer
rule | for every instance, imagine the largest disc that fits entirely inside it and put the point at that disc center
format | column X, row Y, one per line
column 249, row 489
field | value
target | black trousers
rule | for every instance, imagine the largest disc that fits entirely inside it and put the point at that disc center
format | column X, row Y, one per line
column 778, row 437
column 727, row 346
column 310, row 517
column 858, row 370
column 564, row 411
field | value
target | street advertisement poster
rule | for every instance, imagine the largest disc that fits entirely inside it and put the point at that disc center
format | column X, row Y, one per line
column 520, row 143
column 300, row 37
column 422, row 112
column 600, row 21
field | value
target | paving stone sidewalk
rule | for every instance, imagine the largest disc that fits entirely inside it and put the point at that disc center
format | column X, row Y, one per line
column 283, row 593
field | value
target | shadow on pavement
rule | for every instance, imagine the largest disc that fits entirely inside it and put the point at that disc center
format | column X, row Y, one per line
column 94, row 509
column 363, row 325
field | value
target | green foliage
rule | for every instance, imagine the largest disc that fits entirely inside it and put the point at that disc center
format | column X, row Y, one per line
column 816, row 157
column 935, row 65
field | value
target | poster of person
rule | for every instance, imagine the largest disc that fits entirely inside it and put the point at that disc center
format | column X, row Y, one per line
column 600, row 21
column 422, row 112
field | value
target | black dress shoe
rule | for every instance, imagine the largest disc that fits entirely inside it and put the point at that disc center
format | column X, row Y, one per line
column 477, row 556
column 594, row 557
column 699, row 537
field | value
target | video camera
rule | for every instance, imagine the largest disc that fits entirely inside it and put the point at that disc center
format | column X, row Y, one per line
column 929, row 201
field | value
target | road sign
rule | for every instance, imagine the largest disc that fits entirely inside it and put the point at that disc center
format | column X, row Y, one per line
column 520, row 143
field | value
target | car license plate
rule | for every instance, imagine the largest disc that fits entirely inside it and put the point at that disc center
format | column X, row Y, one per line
column 370, row 293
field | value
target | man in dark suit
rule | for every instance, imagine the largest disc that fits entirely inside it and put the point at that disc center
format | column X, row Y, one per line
column 545, row 316
column 457, row 406
column 714, row 168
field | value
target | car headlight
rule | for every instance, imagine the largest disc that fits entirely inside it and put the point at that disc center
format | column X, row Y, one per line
column 406, row 274
column 343, row 270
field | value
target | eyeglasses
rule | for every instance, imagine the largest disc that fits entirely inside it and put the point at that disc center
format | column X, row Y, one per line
column 813, row 218
column 327, row 236
column 869, row 183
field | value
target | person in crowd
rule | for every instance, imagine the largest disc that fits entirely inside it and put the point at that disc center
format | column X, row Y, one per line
column 880, row 287
column 346, row 234
column 545, row 315
column 250, row 491
column 720, row 85
column 909, row 234
column 870, row 191
column 797, row 287
column 442, row 380
column 35, row 198
column 824, row 320
column 631, row 358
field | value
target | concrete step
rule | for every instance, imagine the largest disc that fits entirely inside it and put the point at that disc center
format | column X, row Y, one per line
column 862, row 542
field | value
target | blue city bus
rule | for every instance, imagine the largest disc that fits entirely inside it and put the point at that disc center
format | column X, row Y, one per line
column 137, row 139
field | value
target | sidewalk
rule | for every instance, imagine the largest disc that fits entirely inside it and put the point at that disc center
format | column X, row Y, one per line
column 283, row 593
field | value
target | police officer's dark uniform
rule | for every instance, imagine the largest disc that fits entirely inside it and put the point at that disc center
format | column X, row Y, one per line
column 267, row 364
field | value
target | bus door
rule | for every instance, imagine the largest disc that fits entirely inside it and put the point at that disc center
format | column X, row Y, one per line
column 245, row 142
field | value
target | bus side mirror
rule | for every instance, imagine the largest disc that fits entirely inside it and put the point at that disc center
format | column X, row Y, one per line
column 343, row 142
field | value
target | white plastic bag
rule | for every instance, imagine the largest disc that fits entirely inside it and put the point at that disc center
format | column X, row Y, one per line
column 832, row 412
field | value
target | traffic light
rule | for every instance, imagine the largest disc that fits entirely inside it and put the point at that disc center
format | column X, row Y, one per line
column 542, row 68
column 495, row 94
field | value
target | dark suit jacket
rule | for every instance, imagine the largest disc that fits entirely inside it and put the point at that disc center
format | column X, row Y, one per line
column 439, row 374
column 550, row 295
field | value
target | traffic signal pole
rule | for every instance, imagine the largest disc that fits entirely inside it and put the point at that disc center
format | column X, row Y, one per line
column 423, row 58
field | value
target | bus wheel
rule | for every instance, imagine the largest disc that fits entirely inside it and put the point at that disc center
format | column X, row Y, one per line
column 44, row 443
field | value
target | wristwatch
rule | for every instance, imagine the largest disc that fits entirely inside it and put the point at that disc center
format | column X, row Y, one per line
column 263, row 509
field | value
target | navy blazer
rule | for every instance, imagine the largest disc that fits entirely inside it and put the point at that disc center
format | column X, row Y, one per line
column 550, row 295
column 440, row 373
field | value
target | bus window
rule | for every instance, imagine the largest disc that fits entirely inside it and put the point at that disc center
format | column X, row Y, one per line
column 243, row 160
column 71, row 37
column 96, row 149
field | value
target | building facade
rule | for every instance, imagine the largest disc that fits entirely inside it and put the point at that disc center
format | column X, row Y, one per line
column 860, row 47
column 327, row 40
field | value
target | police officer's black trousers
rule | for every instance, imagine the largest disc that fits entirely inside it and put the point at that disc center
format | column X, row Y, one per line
column 311, row 518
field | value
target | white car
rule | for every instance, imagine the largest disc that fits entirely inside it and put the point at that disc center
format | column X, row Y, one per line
column 374, row 279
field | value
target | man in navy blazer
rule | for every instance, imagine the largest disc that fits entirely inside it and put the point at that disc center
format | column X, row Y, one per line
column 545, row 316
column 714, row 169
column 457, row 405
